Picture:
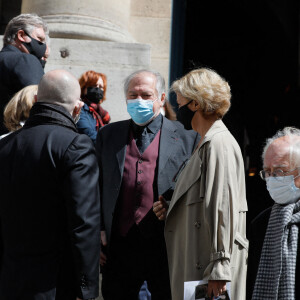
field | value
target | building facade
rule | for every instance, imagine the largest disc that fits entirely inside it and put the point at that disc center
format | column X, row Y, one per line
column 109, row 36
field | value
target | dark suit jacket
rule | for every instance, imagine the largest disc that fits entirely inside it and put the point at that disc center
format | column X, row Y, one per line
column 257, row 234
column 17, row 70
column 49, row 209
column 176, row 146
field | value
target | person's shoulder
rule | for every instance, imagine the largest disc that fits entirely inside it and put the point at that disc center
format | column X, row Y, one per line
column 64, row 137
column 9, row 50
column 115, row 126
column 220, row 136
column 82, row 139
column 14, row 59
column 30, row 60
column 85, row 113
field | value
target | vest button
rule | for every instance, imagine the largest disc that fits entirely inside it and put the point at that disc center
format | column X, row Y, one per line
column 140, row 161
column 140, row 171
column 139, row 182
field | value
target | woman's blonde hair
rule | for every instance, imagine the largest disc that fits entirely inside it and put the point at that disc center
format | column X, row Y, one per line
column 206, row 87
column 18, row 108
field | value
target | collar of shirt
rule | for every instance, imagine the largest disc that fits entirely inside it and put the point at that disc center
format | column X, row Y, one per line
column 152, row 127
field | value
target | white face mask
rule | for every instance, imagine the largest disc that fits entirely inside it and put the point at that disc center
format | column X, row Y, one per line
column 282, row 189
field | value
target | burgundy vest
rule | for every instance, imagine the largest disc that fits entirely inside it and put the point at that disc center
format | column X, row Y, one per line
column 136, row 195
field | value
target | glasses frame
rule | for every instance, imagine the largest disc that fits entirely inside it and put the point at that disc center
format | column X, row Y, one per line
column 263, row 176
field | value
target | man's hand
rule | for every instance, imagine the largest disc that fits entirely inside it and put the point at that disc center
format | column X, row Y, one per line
column 217, row 287
column 103, row 257
column 160, row 208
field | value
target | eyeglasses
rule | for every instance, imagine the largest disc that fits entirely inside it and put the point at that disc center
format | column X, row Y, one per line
column 277, row 173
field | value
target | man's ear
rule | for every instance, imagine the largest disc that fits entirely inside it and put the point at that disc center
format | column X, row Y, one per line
column 21, row 35
column 35, row 98
column 162, row 99
column 77, row 108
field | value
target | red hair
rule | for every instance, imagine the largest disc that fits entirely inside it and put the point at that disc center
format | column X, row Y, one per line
column 90, row 78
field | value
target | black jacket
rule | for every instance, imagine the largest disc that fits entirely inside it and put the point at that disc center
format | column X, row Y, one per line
column 49, row 209
column 17, row 70
column 176, row 146
column 257, row 234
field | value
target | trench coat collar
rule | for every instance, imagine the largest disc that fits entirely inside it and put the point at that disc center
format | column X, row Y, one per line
column 217, row 127
column 195, row 169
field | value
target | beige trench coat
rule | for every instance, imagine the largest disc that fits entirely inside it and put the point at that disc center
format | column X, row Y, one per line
column 206, row 222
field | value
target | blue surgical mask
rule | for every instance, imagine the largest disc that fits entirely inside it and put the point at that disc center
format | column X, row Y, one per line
column 282, row 189
column 141, row 111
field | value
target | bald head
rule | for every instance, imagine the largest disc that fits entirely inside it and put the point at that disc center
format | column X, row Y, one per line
column 59, row 87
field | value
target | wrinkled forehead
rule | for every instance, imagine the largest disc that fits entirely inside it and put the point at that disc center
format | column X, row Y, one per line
column 143, row 80
column 278, row 153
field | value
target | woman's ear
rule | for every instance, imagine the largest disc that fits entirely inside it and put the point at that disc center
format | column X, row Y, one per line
column 195, row 105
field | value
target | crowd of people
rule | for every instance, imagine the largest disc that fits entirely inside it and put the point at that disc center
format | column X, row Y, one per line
column 153, row 203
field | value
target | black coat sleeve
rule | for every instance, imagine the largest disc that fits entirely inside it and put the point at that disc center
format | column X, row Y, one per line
column 81, row 192
column 28, row 70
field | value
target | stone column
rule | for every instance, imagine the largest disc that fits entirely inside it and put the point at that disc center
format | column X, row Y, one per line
column 106, row 20
column 93, row 35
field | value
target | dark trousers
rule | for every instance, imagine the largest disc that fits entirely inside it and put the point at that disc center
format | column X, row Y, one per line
column 132, row 260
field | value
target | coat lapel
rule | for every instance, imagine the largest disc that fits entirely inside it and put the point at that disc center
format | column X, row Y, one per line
column 168, row 140
column 189, row 175
column 121, row 146
column 193, row 170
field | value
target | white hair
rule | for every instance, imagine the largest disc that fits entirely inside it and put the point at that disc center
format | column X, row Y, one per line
column 294, row 144
column 160, row 82
column 26, row 22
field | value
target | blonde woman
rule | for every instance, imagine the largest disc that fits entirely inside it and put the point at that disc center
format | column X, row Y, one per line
column 17, row 110
column 205, row 227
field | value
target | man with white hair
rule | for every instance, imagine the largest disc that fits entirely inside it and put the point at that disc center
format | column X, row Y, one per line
column 22, row 58
column 49, row 203
column 138, row 160
column 274, row 253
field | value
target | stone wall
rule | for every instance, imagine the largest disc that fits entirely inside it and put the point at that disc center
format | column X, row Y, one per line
column 150, row 23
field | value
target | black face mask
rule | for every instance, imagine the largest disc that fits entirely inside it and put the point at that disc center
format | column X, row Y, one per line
column 185, row 116
column 35, row 47
column 94, row 94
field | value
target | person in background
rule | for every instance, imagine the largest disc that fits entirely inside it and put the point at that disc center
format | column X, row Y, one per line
column 274, row 252
column 17, row 109
column 205, row 227
column 49, row 203
column 93, row 92
column 138, row 159
column 21, row 58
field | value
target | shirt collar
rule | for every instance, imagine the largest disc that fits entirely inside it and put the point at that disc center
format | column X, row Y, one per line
column 153, row 127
